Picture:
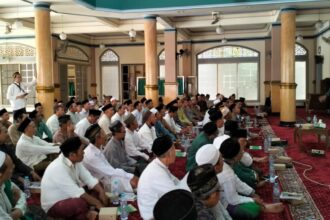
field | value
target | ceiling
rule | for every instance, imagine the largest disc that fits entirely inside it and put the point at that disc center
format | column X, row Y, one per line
column 251, row 17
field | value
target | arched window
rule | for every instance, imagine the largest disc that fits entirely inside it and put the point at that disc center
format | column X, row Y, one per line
column 300, row 71
column 16, row 57
column 161, row 58
column 110, row 80
column 227, row 70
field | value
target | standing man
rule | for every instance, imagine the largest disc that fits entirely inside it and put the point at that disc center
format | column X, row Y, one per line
column 16, row 93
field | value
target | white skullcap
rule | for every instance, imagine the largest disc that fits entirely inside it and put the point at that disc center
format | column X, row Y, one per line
column 246, row 159
column 218, row 140
column 113, row 99
column 154, row 111
column 216, row 101
column 207, row 154
column 2, row 158
column 225, row 110
column 91, row 102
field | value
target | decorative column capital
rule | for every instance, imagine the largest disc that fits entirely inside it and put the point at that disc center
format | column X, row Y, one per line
column 150, row 17
column 288, row 10
column 41, row 5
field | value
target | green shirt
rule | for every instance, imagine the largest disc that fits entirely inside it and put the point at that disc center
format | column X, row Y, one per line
column 245, row 174
column 42, row 128
column 199, row 141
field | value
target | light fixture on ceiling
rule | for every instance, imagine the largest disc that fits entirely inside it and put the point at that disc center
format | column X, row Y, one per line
column 319, row 23
column 224, row 40
column 63, row 36
column 132, row 34
column 299, row 38
column 219, row 30
column 102, row 46
column 17, row 25
column 215, row 17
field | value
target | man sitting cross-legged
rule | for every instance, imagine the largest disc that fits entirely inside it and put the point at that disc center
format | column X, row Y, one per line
column 97, row 164
column 156, row 179
column 62, row 192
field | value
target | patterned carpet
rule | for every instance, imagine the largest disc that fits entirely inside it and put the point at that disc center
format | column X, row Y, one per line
column 291, row 182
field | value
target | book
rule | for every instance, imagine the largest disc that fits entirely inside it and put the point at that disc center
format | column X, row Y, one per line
column 180, row 154
column 291, row 196
column 254, row 147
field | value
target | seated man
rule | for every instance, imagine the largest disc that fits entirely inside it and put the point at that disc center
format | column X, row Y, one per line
column 97, row 164
column 177, row 204
column 12, row 199
column 52, row 122
column 14, row 134
column 239, row 198
column 204, row 185
column 115, row 152
column 85, row 123
column 21, row 170
column 210, row 131
column 105, row 119
column 31, row 149
column 134, row 146
column 119, row 114
column 65, row 131
column 42, row 130
column 160, row 123
column 62, row 192
column 147, row 132
column 156, row 179
column 4, row 118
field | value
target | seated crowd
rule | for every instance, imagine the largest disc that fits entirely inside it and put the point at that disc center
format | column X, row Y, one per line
column 83, row 147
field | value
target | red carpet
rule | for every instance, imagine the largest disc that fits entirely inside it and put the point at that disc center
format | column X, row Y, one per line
column 321, row 165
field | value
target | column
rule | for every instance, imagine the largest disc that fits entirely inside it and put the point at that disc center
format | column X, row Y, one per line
column 275, row 78
column 171, row 86
column 151, row 58
column 45, row 86
column 187, row 68
column 93, row 84
column 288, row 85
column 56, row 75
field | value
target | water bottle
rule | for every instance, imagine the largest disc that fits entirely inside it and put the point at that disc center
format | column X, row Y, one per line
column 27, row 187
column 266, row 143
column 271, row 169
column 123, row 207
column 115, row 191
column 315, row 121
column 276, row 192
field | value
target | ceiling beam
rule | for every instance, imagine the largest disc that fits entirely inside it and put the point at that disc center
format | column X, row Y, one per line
column 109, row 21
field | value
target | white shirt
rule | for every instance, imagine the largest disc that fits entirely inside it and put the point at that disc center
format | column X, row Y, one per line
column 170, row 121
column 33, row 150
column 74, row 116
column 155, row 181
column 83, row 114
column 138, row 116
column 133, row 144
column 147, row 135
column 116, row 117
column 64, row 180
column 234, row 188
column 82, row 127
column 206, row 118
column 53, row 124
column 14, row 91
column 98, row 165
column 104, row 123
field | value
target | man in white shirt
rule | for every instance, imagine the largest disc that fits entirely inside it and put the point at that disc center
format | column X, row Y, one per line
column 97, row 164
column 72, row 111
column 156, row 179
column 147, row 132
column 17, row 92
column 137, row 112
column 169, row 118
column 133, row 144
column 31, row 149
column 85, row 123
column 119, row 114
column 85, row 109
column 105, row 119
column 62, row 192
column 52, row 122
